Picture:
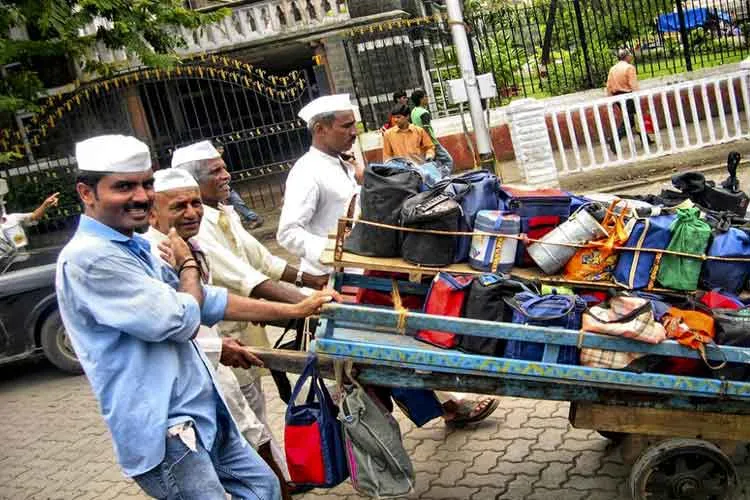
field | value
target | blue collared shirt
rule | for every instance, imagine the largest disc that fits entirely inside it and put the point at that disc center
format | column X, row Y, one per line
column 132, row 331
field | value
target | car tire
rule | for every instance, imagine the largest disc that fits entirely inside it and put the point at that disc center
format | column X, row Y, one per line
column 57, row 347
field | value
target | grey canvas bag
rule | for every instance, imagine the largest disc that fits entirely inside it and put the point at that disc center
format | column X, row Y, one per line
column 379, row 466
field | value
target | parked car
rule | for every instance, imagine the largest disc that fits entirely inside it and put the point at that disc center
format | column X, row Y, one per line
column 30, row 324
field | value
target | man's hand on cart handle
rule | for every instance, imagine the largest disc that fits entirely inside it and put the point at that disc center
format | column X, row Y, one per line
column 312, row 304
column 236, row 355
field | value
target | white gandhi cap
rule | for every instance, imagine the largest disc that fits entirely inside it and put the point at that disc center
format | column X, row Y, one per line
column 203, row 150
column 324, row 105
column 168, row 179
column 120, row 154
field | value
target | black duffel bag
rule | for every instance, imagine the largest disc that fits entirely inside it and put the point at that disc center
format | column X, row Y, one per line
column 383, row 192
column 486, row 301
column 430, row 210
column 732, row 327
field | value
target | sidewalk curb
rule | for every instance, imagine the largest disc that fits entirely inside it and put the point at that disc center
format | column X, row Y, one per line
column 663, row 177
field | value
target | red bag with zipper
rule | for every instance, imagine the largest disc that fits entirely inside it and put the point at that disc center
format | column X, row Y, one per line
column 445, row 298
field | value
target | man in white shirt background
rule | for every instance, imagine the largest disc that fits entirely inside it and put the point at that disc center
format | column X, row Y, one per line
column 11, row 225
column 321, row 186
column 177, row 204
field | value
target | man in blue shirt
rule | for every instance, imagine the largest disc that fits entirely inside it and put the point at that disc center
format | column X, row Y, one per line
column 132, row 322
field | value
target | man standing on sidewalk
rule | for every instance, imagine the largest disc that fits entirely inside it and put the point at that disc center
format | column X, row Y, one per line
column 132, row 322
column 623, row 79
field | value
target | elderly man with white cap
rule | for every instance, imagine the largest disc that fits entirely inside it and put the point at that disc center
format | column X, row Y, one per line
column 322, row 185
column 241, row 264
column 178, row 205
column 132, row 322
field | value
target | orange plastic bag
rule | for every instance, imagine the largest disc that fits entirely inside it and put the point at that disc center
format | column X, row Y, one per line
column 597, row 261
column 694, row 329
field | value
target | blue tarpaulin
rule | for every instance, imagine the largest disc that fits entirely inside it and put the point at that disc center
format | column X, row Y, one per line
column 694, row 18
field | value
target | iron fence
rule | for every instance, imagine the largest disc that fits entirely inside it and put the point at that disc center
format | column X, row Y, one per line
column 544, row 48
column 254, row 118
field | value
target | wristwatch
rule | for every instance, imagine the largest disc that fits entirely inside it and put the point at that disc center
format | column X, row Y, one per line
column 298, row 280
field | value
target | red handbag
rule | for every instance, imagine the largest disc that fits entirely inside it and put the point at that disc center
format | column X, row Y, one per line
column 368, row 297
column 445, row 298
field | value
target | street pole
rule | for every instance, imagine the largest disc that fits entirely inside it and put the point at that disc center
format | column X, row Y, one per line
column 463, row 54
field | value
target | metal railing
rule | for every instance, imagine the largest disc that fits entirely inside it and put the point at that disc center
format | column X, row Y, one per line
column 545, row 48
column 667, row 120
column 557, row 47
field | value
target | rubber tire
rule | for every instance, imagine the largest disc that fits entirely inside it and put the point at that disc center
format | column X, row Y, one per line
column 51, row 328
column 668, row 448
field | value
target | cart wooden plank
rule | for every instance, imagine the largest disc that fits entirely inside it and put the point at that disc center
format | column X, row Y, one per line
column 660, row 421
column 416, row 272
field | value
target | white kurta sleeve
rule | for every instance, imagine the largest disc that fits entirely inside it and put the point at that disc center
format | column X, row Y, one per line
column 229, row 271
column 257, row 254
column 300, row 203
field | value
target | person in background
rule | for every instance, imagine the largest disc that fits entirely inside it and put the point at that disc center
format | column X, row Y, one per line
column 250, row 219
column 321, row 186
column 406, row 140
column 177, row 204
column 132, row 322
column 11, row 225
column 420, row 116
column 399, row 98
column 622, row 79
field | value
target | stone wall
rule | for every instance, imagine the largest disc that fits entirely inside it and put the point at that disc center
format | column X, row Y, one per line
column 338, row 67
column 361, row 8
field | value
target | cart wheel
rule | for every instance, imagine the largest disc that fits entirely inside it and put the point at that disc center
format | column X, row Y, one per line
column 688, row 469
column 615, row 437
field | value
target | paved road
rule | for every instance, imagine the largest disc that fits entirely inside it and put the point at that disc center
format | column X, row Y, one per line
column 55, row 446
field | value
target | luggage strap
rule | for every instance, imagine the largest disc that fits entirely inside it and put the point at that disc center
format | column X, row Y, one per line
column 399, row 307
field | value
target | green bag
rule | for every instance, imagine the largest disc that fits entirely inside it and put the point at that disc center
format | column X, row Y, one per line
column 689, row 235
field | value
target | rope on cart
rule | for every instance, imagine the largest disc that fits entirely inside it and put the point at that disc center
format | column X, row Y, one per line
column 399, row 307
column 526, row 239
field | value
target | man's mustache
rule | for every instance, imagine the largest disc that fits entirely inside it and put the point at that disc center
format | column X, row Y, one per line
column 137, row 206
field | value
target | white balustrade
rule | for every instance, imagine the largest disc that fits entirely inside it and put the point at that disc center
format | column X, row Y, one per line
column 685, row 116
column 247, row 23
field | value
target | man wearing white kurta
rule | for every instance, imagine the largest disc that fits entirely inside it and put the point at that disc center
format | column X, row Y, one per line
column 321, row 185
column 320, row 189
column 178, row 204
column 239, row 262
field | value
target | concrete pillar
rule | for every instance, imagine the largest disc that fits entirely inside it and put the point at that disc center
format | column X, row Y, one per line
column 531, row 143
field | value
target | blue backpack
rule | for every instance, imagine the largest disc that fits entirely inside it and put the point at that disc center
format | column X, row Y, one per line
column 482, row 194
column 633, row 268
column 562, row 311
column 730, row 276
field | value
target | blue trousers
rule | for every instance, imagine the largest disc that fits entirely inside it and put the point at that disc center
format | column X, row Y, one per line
column 202, row 475
column 444, row 160
column 241, row 207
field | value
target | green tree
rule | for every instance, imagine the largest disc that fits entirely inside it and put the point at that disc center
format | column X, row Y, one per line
column 146, row 29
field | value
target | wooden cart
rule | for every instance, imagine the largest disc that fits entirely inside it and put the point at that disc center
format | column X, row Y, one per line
column 674, row 429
